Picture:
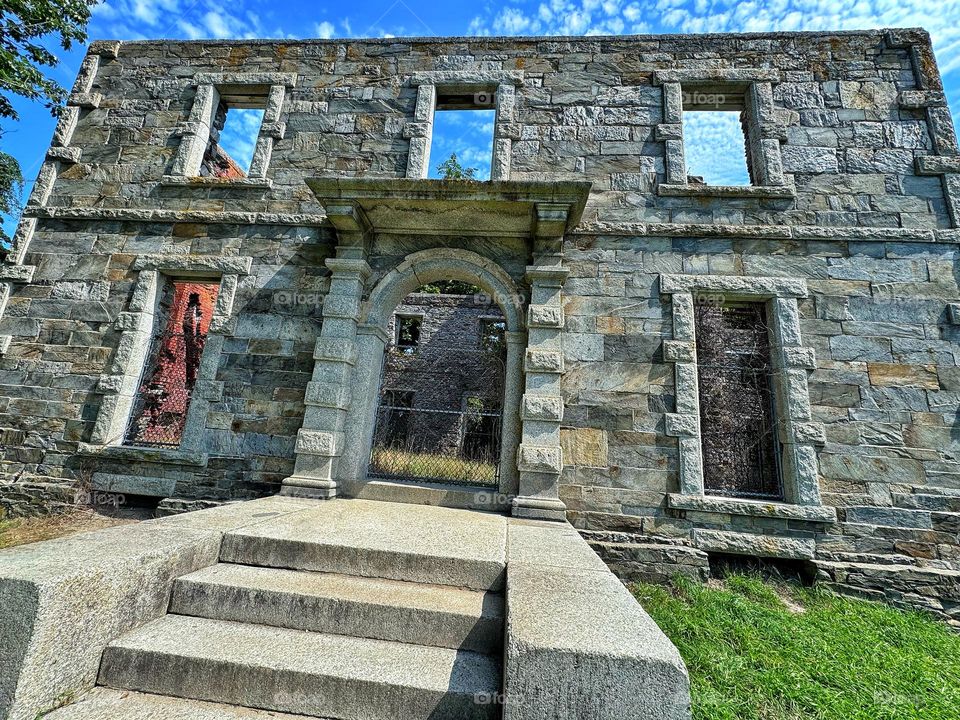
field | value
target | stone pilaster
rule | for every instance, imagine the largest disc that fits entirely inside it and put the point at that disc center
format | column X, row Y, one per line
column 539, row 457
column 320, row 440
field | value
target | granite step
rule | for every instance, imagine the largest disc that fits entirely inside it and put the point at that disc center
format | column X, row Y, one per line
column 415, row 543
column 306, row 673
column 109, row 704
column 434, row 615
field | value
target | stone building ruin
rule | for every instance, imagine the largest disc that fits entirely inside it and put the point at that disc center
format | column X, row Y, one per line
column 831, row 279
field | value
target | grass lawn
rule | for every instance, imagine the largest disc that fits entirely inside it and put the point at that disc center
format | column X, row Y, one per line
column 20, row 531
column 764, row 650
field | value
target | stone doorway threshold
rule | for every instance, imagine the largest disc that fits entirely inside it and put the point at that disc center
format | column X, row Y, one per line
column 484, row 498
column 346, row 608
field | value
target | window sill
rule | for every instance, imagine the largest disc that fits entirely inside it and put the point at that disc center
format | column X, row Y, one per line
column 752, row 508
column 213, row 182
column 143, row 454
column 727, row 191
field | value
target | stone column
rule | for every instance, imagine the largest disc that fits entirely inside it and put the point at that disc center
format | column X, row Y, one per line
column 539, row 458
column 320, row 441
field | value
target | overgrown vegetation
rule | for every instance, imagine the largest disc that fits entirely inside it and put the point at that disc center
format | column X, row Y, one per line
column 26, row 26
column 451, row 169
column 20, row 531
column 770, row 650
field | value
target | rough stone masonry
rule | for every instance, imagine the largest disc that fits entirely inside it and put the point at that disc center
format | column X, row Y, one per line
column 592, row 237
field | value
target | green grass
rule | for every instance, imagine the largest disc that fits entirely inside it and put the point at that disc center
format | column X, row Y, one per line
column 759, row 650
column 402, row 463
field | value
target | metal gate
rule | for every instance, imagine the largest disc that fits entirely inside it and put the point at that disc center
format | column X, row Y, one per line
column 160, row 407
column 439, row 415
column 737, row 419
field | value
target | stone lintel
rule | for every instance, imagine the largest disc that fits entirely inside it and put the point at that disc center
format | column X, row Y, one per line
column 224, row 264
column 466, row 79
column 727, row 191
column 242, row 183
column 718, row 76
column 246, row 78
column 734, row 285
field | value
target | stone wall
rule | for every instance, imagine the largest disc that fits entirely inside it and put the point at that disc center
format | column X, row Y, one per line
column 853, row 212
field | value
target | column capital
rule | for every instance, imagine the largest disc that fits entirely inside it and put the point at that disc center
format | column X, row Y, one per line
column 552, row 275
column 349, row 267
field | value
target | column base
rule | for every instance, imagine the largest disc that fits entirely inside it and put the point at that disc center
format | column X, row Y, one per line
column 312, row 488
column 537, row 508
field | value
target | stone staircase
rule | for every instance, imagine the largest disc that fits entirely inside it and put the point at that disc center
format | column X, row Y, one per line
column 374, row 626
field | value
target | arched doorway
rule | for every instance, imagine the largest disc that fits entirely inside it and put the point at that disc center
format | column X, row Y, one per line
column 440, row 403
column 374, row 336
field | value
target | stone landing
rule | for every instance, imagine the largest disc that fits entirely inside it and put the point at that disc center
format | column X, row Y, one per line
column 346, row 609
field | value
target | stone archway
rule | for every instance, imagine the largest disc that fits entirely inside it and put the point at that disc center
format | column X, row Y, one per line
column 416, row 270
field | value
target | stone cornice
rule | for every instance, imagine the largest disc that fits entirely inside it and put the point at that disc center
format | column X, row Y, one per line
column 499, row 208
column 590, row 227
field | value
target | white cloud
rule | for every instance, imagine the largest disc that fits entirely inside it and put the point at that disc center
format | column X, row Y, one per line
column 216, row 24
column 591, row 17
column 324, row 30
column 614, row 17
column 714, row 148
column 511, row 22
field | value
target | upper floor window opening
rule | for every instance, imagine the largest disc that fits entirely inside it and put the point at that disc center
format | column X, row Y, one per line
column 462, row 136
column 716, row 137
column 234, row 129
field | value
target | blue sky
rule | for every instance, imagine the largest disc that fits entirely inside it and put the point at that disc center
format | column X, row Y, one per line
column 195, row 19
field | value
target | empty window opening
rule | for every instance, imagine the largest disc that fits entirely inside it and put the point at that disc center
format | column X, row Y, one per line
column 407, row 332
column 737, row 421
column 163, row 398
column 715, row 137
column 446, row 427
column 234, row 130
column 462, row 142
